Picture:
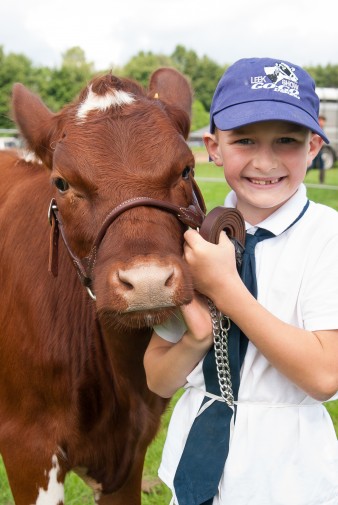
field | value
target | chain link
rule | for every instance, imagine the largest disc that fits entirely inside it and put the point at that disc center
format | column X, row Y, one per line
column 220, row 328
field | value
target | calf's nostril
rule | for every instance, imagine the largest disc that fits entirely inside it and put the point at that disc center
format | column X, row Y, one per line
column 168, row 283
column 125, row 280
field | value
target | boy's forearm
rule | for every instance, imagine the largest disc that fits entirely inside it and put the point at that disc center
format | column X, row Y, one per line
column 167, row 367
column 309, row 359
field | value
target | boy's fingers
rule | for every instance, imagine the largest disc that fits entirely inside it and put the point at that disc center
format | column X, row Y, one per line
column 198, row 301
column 223, row 238
column 224, row 241
column 196, row 315
column 192, row 237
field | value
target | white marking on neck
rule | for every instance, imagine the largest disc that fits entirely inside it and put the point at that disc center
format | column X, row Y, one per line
column 54, row 494
column 113, row 98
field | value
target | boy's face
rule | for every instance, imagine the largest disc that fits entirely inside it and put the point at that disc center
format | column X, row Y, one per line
column 264, row 163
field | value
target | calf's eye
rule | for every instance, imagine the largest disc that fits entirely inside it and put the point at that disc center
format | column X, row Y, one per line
column 61, row 184
column 186, row 172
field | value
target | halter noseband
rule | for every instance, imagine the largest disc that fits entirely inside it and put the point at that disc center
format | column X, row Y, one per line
column 210, row 226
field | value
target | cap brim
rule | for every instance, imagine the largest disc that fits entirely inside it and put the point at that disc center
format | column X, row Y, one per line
column 247, row 113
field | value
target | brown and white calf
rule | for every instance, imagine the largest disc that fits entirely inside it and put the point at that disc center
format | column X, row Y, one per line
column 73, row 394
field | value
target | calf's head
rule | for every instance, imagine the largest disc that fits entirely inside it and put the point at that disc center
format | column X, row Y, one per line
column 114, row 143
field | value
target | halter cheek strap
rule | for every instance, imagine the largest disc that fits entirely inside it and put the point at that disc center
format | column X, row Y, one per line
column 193, row 216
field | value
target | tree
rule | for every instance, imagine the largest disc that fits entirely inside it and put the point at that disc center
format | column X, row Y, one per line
column 185, row 60
column 68, row 80
column 325, row 77
column 75, row 58
column 203, row 72
column 141, row 66
column 200, row 117
column 207, row 75
column 58, row 86
column 13, row 68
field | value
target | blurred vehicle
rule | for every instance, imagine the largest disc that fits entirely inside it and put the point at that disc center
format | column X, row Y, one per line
column 9, row 143
column 329, row 109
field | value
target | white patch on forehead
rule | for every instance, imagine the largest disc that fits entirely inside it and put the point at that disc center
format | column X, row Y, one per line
column 54, row 494
column 30, row 157
column 113, row 98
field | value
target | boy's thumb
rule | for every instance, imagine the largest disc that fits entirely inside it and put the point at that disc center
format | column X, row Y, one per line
column 223, row 238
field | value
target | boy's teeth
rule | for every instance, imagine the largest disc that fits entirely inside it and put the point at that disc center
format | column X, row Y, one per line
column 264, row 183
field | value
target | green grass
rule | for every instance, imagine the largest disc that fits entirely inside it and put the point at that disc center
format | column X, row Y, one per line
column 332, row 408
column 76, row 492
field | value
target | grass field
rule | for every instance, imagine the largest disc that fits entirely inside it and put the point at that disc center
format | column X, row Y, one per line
column 76, row 492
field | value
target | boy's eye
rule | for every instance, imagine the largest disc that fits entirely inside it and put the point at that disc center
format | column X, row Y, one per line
column 244, row 141
column 286, row 140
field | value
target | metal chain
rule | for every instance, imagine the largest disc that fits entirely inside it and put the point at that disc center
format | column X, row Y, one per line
column 220, row 328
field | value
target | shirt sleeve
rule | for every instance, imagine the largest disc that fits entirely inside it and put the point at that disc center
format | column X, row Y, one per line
column 319, row 292
column 173, row 328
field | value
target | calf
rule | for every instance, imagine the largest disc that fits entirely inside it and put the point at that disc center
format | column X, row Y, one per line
column 116, row 168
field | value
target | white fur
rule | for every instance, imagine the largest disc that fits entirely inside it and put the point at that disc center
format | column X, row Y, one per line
column 114, row 98
column 30, row 157
column 54, row 494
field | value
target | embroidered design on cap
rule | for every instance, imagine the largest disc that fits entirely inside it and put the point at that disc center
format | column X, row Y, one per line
column 282, row 79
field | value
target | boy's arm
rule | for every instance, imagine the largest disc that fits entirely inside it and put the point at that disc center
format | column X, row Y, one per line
column 167, row 364
column 307, row 358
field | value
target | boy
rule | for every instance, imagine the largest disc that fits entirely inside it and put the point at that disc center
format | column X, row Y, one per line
column 282, row 449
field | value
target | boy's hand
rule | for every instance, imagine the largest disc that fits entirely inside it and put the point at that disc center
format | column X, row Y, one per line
column 197, row 318
column 213, row 266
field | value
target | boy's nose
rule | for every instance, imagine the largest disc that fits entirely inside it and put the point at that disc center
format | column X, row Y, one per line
column 265, row 159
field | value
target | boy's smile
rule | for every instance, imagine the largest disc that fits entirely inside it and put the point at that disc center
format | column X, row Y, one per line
column 264, row 163
column 264, row 182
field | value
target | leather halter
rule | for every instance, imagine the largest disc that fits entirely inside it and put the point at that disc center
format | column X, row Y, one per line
column 210, row 226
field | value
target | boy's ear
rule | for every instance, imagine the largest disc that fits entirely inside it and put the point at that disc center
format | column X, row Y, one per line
column 212, row 145
column 315, row 146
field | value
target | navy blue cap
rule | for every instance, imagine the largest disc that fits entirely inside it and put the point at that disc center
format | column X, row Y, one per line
column 265, row 89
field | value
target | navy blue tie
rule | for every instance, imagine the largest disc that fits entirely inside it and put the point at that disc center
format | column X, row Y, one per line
column 202, row 462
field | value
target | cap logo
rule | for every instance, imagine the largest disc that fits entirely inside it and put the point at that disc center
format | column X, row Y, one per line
column 281, row 78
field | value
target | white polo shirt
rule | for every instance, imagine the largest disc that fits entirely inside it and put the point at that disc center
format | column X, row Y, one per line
column 283, row 448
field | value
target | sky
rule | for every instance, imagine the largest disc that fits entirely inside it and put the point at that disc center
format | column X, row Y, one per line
column 110, row 32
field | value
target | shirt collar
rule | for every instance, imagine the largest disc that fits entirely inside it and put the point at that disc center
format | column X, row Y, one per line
column 282, row 217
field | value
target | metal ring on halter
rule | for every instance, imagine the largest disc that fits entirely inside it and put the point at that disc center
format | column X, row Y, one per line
column 91, row 294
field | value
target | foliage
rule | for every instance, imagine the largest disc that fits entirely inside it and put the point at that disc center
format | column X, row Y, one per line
column 15, row 68
column 325, row 77
column 58, row 86
column 141, row 66
column 203, row 72
column 62, row 84
column 55, row 86
column 200, row 117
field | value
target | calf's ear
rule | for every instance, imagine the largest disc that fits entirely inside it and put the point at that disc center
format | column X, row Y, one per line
column 35, row 121
column 172, row 88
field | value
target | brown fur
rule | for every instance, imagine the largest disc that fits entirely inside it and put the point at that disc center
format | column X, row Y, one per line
column 72, row 381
